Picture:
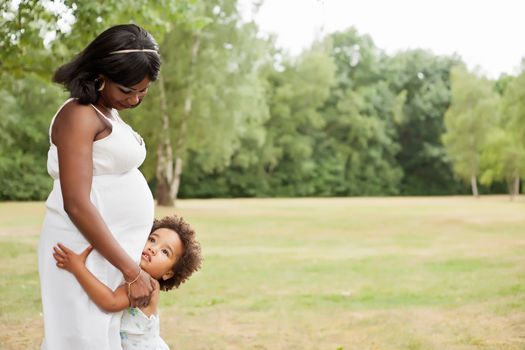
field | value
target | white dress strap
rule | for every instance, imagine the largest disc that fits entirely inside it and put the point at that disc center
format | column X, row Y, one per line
column 113, row 118
column 54, row 117
column 98, row 110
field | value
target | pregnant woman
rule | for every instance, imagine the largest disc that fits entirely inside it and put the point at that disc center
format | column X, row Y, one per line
column 99, row 196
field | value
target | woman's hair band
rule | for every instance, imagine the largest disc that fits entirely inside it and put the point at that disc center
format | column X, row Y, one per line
column 133, row 50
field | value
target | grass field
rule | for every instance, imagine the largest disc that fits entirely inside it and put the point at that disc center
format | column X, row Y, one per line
column 357, row 273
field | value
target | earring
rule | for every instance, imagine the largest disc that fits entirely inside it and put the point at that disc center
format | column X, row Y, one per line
column 102, row 85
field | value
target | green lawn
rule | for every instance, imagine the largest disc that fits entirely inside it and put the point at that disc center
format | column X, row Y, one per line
column 356, row 273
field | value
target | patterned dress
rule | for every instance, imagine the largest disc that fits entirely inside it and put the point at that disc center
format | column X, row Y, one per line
column 140, row 332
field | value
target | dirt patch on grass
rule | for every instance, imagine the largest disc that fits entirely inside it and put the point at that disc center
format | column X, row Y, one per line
column 21, row 335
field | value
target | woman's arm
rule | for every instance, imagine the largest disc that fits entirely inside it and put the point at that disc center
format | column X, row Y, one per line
column 102, row 295
column 74, row 131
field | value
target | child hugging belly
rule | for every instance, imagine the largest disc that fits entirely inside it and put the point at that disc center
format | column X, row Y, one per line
column 171, row 255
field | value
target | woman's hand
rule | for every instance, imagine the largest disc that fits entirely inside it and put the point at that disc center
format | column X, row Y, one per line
column 140, row 290
column 69, row 260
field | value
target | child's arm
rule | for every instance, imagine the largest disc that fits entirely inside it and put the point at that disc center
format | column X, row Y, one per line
column 102, row 295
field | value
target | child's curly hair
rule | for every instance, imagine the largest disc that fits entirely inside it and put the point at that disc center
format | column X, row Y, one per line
column 191, row 260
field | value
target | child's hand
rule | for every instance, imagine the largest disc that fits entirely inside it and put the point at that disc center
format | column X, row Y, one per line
column 68, row 259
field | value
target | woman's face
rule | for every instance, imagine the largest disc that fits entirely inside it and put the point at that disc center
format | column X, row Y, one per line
column 122, row 97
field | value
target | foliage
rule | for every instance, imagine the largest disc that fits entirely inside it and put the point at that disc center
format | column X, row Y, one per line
column 424, row 78
column 504, row 155
column 360, row 136
column 343, row 118
column 214, row 99
column 26, row 106
column 23, row 29
column 469, row 120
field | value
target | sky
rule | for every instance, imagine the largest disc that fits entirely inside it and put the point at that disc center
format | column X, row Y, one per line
column 489, row 35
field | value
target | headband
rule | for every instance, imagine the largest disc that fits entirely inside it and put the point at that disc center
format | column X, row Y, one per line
column 133, row 50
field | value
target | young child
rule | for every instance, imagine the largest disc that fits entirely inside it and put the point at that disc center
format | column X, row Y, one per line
column 170, row 256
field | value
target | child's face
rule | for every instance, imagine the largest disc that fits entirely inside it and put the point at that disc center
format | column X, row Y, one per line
column 161, row 252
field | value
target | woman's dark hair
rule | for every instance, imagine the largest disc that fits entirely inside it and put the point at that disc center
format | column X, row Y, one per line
column 191, row 259
column 128, row 69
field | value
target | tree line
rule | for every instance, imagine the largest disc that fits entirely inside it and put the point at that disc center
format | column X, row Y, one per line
column 232, row 115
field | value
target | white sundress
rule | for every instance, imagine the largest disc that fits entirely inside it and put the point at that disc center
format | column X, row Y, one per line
column 140, row 332
column 120, row 193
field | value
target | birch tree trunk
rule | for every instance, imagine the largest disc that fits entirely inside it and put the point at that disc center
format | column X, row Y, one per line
column 181, row 144
column 515, row 188
column 182, row 137
column 474, row 185
column 164, row 170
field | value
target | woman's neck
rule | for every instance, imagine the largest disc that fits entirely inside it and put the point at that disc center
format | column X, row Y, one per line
column 108, row 112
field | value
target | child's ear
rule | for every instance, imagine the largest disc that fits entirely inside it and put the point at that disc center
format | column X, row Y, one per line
column 168, row 275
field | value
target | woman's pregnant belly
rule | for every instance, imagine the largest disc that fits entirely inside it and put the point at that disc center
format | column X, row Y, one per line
column 125, row 203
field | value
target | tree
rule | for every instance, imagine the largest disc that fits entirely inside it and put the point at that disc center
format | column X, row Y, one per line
column 425, row 79
column 358, row 143
column 503, row 158
column 34, row 42
column 504, row 155
column 207, row 94
column 295, row 95
column 277, row 160
column 23, row 28
column 26, row 105
column 469, row 119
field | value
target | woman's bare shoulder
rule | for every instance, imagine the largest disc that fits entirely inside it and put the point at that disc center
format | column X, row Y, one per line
column 73, row 109
column 77, row 117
